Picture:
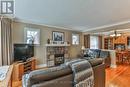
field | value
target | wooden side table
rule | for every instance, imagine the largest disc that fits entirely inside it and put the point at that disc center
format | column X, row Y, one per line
column 7, row 82
column 20, row 68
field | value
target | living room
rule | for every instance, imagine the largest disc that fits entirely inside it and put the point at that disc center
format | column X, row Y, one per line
column 64, row 43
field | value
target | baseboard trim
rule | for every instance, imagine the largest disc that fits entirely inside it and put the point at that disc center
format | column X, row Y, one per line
column 41, row 66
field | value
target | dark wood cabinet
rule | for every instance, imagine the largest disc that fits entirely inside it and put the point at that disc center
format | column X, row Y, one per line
column 128, row 41
column 108, row 43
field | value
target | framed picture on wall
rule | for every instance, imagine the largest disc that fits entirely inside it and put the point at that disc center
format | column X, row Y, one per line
column 32, row 36
column 57, row 36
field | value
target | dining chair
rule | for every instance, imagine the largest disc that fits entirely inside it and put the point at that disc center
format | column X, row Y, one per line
column 126, row 57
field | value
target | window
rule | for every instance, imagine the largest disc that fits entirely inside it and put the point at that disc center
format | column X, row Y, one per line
column 75, row 39
column 32, row 36
column 94, row 42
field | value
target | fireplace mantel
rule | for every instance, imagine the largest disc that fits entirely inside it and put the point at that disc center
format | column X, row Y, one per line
column 56, row 45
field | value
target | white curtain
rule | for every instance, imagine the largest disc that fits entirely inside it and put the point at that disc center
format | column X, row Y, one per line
column 6, row 42
column 94, row 42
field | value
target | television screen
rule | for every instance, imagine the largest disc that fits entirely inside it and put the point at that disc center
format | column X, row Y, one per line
column 23, row 52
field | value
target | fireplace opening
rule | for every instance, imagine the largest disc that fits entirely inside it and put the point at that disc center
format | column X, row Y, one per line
column 59, row 59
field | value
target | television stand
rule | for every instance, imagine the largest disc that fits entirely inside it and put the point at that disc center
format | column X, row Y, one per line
column 21, row 68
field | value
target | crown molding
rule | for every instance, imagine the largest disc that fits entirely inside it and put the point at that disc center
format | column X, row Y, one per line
column 106, row 26
column 35, row 23
column 72, row 29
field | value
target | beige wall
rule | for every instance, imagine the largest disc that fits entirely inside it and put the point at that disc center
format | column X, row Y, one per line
column 46, row 32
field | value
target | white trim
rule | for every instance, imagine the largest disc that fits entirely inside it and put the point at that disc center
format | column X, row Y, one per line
column 52, row 45
column 72, row 29
column 31, row 22
column 107, row 26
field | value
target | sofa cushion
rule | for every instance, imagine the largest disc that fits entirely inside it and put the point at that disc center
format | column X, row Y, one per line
column 42, row 75
column 86, row 52
column 64, row 81
column 95, row 61
column 104, row 54
column 96, row 52
column 93, row 53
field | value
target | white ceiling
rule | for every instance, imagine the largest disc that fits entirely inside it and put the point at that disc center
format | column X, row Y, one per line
column 81, row 15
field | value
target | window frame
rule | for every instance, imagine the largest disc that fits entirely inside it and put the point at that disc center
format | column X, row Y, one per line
column 96, row 39
column 78, row 39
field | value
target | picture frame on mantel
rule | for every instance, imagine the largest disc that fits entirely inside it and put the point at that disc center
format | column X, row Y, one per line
column 58, row 36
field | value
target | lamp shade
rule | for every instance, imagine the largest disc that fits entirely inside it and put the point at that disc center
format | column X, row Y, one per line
column 83, row 48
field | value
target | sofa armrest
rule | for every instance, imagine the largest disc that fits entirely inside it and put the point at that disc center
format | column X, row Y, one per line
column 95, row 61
column 99, row 75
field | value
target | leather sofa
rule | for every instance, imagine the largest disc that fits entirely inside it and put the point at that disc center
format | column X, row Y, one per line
column 98, row 53
column 62, row 76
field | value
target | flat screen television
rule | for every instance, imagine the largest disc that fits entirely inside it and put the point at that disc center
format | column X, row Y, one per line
column 22, row 52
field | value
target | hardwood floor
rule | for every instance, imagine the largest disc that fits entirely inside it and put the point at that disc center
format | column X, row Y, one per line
column 119, row 77
column 17, row 84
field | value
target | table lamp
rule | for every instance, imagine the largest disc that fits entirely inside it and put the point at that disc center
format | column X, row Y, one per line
column 82, row 48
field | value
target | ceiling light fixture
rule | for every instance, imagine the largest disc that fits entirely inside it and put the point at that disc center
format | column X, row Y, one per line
column 115, row 35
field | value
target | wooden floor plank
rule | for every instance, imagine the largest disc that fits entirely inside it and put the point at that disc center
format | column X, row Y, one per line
column 118, row 77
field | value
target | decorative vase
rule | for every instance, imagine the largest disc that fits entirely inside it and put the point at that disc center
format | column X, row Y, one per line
column 48, row 41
